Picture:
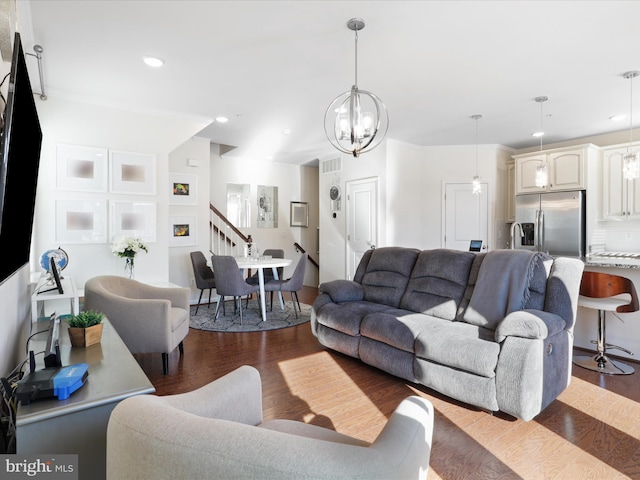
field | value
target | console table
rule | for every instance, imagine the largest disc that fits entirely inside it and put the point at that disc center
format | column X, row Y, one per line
column 78, row 425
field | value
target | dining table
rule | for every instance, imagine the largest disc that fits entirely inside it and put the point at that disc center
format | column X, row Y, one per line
column 259, row 264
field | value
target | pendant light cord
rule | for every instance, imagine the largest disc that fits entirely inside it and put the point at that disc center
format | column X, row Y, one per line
column 630, row 112
column 356, row 57
column 477, row 118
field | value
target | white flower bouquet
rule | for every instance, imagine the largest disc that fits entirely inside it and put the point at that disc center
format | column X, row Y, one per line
column 128, row 247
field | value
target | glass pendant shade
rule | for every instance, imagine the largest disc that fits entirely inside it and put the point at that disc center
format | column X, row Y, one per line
column 631, row 165
column 477, row 188
column 356, row 121
column 541, row 175
column 631, row 160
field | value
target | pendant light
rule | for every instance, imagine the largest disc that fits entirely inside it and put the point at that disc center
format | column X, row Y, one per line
column 477, row 188
column 541, row 170
column 631, row 159
column 356, row 121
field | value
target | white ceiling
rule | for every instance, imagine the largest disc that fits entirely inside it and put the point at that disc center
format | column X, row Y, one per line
column 274, row 65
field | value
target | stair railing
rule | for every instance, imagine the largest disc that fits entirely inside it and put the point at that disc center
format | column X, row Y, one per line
column 302, row 250
column 224, row 237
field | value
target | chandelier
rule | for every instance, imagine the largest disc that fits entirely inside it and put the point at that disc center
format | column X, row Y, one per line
column 477, row 187
column 541, row 170
column 631, row 159
column 356, row 121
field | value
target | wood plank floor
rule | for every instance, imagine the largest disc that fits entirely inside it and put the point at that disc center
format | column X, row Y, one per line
column 592, row 431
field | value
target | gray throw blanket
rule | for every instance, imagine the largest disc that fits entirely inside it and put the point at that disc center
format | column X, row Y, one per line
column 502, row 287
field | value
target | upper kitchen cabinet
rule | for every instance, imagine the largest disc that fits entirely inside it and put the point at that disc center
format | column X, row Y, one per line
column 565, row 169
column 620, row 197
column 510, row 201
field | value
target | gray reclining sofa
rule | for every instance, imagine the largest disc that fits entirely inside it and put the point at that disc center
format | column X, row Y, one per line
column 494, row 329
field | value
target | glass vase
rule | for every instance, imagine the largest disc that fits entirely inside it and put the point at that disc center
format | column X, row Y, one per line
column 128, row 267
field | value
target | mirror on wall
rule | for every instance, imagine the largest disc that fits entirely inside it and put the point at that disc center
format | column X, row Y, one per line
column 239, row 204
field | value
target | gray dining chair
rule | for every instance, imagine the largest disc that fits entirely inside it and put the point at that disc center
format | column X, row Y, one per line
column 204, row 277
column 230, row 281
column 291, row 285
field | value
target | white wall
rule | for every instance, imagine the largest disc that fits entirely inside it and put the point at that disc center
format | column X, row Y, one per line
column 77, row 123
column 333, row 230
column 411, row 180
column 294, row 185
column 180, row 268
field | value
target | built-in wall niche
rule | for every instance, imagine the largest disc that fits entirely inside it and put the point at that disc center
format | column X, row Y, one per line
column 239, row 204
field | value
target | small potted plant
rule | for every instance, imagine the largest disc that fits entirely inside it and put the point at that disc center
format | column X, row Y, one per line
column 85, row 328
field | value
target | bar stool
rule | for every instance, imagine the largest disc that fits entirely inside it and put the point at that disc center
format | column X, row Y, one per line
column 601, row 291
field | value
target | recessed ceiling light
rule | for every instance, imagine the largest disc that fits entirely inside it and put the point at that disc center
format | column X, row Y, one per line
column 153, row 61
column 616, row 118
column 537, row 134
column 222, row 119
column 286, row 131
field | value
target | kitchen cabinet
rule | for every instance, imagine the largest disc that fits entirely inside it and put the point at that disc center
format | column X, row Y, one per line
column 620, row 197
column 566, row 169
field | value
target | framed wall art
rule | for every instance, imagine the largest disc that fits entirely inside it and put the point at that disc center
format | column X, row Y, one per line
column 81, row 221
column 299, row 215
column 182, row 231
column 132, row 173
column 81, row 168
column 133, row 219
column 183, row 189
column 267, row 207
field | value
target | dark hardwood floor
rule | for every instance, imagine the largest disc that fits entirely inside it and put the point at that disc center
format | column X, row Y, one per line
column 592, row 431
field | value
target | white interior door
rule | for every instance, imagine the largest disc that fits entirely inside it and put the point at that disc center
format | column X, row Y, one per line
column 362, row 220
column 465, row 216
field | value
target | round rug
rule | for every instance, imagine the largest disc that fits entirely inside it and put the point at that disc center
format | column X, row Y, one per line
column 251, row 317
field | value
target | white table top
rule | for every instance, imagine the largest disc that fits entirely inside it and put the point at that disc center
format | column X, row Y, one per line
column 250, row 262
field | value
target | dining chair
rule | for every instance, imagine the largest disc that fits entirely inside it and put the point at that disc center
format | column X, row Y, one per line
column 204, row 276
column 230, row 281
column 291, row 285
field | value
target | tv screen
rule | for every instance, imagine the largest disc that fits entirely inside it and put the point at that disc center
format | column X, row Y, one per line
column 20, row 149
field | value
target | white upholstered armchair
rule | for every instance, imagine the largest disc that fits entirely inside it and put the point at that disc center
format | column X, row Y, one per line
column 217, row 432
column 148, row 319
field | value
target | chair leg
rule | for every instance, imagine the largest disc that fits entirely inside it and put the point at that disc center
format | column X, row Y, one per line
column 199, row 298
column 181, row 348
column 209, row 298
column 298, row 301
column 220, row 299
column 293, row 302
column 240, row 305
column 165, row 363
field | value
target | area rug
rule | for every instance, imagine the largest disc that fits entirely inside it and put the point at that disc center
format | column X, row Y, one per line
column 251, row 318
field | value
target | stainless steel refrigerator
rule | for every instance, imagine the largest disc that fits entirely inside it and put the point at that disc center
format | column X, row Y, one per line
column 552, row 222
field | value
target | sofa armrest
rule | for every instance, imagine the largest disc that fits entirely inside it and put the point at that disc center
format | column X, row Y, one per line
column 237, row 397
column 343, row 290
column 529, row 324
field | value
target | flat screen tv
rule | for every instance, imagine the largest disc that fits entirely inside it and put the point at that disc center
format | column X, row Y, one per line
column 20, row 143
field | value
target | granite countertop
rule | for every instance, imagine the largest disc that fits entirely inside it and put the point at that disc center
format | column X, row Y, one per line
column 613, row 261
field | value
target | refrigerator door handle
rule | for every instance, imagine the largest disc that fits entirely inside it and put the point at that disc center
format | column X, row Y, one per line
column 540, row 227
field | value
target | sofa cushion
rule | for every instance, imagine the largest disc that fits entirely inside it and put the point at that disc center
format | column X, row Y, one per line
column 507, row 281
column 395, row 327
column 438, row 282
column 346, row 317
column 387, row 274
column 459, row 345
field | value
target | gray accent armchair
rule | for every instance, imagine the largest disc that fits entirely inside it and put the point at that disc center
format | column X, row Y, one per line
column 148, row 319
column 218, row 432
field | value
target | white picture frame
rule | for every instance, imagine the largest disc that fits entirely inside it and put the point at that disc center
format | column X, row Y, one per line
column 133, row 219
column 182, row 231
column 183, row 189
column 81, row 221
column 80, row 168
column 132, row 173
